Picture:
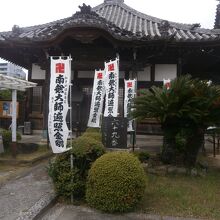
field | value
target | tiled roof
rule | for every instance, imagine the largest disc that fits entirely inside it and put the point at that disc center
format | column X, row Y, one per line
column 150, row 27
column 121, row 21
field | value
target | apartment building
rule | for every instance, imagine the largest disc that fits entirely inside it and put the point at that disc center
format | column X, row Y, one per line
column 12, row 70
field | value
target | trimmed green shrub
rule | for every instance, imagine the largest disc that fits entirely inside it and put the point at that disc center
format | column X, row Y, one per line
column 142, row 156
column 116, row 182
column 91, row 130
column 96, row 135
column 66, row 181
column 85, row 151
column 7, row 138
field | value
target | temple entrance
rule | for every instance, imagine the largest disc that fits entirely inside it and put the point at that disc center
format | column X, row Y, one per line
column 81, row 101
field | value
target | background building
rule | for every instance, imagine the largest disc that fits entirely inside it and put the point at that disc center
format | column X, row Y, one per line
column 12, row 70
column 150, row 49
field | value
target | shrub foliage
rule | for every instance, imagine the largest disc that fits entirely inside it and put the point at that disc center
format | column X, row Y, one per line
column 95, row 135
column 116, row 182
column 142, row 156
column 185, row 110
column 85, row 151
column 7, row 138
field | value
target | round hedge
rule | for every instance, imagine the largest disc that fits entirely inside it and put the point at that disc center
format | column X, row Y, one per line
column 95, row 135
column 116, row 182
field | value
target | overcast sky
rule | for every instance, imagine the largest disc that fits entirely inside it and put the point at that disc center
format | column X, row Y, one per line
column 27, row 12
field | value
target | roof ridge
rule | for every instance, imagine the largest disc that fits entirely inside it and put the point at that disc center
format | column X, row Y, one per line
column 177, row 25
column 118, row 19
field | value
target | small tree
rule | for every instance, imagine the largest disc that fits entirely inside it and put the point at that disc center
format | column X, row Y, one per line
column 184, row 110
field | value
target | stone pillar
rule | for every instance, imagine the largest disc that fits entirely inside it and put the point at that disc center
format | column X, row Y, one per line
column 179, row 67
column 46, row 88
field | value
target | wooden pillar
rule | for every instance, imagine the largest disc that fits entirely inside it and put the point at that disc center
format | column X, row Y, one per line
column 134, row 67
column 179, row 67
column 46, row 99
column 75, row 76
column 126, row 74
column 152, row 73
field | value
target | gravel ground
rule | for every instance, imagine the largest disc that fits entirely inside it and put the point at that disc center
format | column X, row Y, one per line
column 18, row 197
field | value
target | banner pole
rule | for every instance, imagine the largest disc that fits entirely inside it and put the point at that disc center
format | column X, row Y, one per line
column 71, row 125
column 118, row 81
column 135, row 125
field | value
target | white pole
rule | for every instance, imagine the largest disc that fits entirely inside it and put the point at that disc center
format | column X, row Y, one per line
column 14, row 115
column 71, row 136
column 71, row 124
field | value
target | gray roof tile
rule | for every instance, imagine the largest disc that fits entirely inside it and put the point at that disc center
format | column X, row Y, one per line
column 122, row 21
column 138, row 22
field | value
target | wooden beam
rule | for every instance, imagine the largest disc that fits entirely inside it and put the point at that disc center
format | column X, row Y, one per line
column 152, row 73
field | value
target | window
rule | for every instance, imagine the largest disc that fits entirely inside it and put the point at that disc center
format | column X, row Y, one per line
column 3, row 69
column 37, row 99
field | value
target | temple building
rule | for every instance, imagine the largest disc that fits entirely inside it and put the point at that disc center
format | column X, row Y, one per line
column 150, row 49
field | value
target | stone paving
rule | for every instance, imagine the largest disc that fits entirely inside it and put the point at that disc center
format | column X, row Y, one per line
column 69, row 212
column 25, row 196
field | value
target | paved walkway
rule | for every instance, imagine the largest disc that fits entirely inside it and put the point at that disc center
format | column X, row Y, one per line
column 23, row 197
column 68, row 212
column 150, row 143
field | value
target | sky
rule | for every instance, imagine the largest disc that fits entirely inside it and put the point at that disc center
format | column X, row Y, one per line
column 27, row 13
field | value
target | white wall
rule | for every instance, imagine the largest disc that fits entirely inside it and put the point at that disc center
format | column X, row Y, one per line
column 37, row 72
column 143, row 76
column 165, row 71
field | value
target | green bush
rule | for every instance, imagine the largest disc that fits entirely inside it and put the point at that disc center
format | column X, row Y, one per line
column 91, row 130
column 7, row 138
column 96, row 135
column 116, row 182
column 85, row 151
column 185, row 111
column 142, row 156
column 66, row 181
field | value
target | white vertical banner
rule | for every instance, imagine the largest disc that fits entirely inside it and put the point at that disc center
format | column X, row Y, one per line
column 112, row 88
column 97, row 99
column 166, row 83
column 130, row 87
column 58, row 103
